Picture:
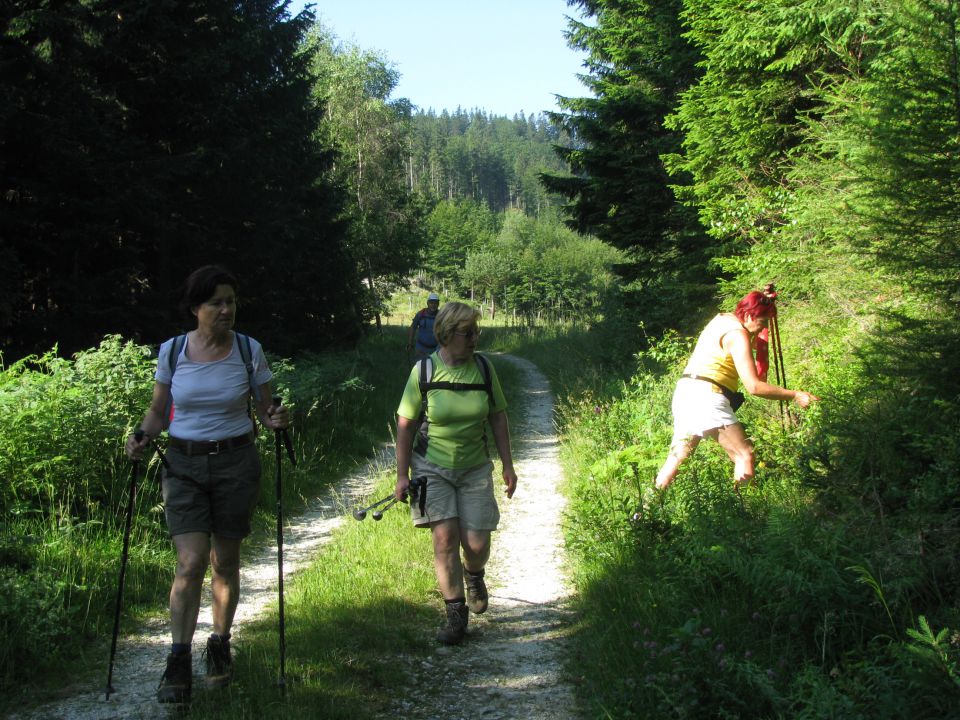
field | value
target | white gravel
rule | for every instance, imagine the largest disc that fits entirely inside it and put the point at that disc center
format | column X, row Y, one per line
column 508, row 667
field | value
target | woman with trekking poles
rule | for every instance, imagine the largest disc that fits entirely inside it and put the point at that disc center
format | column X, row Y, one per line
column 706, row 396
column 450, row 399
column 211, row 476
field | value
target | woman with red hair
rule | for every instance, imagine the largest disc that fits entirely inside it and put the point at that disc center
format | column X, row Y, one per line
column 722, row 358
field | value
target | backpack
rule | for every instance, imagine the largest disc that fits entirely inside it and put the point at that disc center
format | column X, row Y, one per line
column 246, row 354
column 425, row 366
column 423, row 321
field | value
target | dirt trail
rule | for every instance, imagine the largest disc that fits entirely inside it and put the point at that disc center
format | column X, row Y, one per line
column 510, row 664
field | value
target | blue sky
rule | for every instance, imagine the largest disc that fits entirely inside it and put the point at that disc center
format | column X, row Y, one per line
column 502, row 56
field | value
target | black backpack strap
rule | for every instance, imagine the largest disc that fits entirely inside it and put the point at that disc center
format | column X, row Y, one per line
column 178, row 342
column 246, row 354
column 484, row 366
column 176, row 348
column 425, row 366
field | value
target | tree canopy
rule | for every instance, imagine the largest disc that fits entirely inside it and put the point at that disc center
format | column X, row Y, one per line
column 140, row 140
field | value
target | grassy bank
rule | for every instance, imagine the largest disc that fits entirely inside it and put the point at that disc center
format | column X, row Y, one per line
column 828, row 589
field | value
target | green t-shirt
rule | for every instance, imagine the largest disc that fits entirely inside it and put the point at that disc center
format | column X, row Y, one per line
column 457, row 431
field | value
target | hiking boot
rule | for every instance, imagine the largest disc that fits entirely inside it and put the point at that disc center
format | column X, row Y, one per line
column 177, row 679
column 476, row 591
column 219, row 662
column 457, row 616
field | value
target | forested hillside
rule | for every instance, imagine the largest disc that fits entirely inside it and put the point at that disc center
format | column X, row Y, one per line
column 476, row 156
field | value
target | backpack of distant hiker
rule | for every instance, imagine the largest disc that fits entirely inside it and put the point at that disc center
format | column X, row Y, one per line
column 427, row 383
column 424, row 323
column 246, row 354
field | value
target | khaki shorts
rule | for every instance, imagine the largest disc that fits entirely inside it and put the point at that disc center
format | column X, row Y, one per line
column 464, row 494
column 212, row 493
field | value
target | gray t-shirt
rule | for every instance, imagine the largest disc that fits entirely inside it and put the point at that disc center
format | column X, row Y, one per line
column 210, row 399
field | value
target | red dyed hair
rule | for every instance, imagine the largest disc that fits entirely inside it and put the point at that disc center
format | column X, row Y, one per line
column 759, row 304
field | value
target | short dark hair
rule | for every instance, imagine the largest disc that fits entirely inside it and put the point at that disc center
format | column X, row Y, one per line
column 202, row 284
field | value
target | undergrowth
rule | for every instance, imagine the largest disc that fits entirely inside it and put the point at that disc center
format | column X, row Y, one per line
column 826, row 589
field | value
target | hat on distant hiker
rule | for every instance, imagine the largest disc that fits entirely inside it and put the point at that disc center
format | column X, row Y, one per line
column 433, row 296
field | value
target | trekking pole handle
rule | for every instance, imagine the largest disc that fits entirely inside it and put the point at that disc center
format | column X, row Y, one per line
column 277, row 401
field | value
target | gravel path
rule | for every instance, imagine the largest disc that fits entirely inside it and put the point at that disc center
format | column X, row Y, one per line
column 510, row 664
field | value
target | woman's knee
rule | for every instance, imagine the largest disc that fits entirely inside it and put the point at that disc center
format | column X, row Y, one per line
column 446, row 537
column 225, row 566
column 745, row 455
column 191, row 566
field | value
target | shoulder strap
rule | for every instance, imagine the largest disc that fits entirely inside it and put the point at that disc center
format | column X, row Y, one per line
column 246, row 354
column 426, row 375
column 484, row 366
column 427, row 383
column 176, row 348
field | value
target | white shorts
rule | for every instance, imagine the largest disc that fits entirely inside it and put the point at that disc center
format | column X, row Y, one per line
column 698, row 407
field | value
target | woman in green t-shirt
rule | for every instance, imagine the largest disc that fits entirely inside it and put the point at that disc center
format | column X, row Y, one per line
column 464, row 399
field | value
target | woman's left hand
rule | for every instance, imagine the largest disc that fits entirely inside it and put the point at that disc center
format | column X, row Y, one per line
column 510, row 481
column 277, row 417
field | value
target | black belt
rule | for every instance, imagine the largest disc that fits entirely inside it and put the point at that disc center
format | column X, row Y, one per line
column 736, row 398
column 723, row 388
column 210, row 447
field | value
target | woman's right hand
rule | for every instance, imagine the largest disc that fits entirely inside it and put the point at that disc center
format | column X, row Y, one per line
column 400, row 489
column 134, row 448
column 804, row 399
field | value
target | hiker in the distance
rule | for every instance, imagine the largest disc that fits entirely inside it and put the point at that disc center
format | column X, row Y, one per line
column 421, row 336
column 450, row 450
column 206, row 378
column 723, row 357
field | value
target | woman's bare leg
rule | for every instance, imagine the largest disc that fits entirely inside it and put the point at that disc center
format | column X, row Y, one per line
column 679, row 452
column 225, row 582
column 193, row 551
column 739, row 448
column 476, row 549
column 446, row 558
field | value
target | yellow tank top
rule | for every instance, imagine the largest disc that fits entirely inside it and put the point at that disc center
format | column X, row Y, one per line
column 709, row 359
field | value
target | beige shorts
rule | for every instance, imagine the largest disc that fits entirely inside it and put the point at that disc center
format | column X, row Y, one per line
column 464, row 494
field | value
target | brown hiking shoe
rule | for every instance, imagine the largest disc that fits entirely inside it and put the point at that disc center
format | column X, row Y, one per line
column 476, row 591
column 219, row 662
column 177, row 679
column 457, row 616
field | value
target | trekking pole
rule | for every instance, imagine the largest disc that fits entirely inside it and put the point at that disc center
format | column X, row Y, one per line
column 131, row 495
column 281, row 437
